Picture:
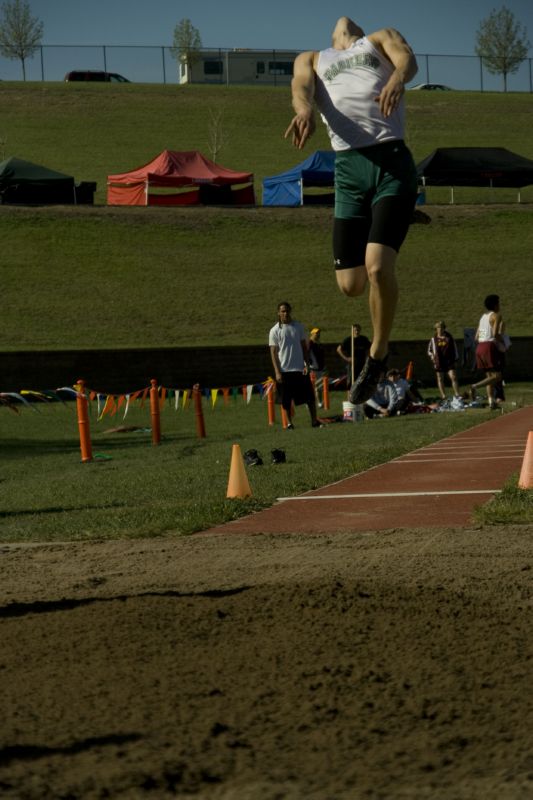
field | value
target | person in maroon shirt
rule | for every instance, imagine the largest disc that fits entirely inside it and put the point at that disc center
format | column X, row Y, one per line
column 442, row 351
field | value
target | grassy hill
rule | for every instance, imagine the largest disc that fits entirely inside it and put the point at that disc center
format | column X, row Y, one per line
column 92, row 130
column 108, row 277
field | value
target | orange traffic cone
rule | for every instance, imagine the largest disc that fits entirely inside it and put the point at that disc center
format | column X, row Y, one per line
column 238, row 485
column 525, row 480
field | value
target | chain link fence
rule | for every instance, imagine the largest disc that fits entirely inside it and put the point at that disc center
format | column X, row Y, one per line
column 154, row 64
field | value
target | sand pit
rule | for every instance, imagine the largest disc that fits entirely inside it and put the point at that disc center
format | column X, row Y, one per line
column 367, row 665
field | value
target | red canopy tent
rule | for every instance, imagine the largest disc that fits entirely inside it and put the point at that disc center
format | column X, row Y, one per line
column 197, row 179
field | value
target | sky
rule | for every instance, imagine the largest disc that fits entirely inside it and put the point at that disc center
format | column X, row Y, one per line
column 437, row 27
column 430, row 26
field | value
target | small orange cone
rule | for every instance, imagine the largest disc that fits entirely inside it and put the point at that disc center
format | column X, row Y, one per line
column 238, row 485
column 525, row 480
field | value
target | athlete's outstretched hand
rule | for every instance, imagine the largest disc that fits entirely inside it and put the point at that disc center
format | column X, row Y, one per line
column 301, row 129
column 390, row 95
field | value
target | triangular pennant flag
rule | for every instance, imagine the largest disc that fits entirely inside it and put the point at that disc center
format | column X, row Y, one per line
column 109, row 407
column 162, row 397
column 176, row 399
column 249, row 390
column 225, row 393
column 17, row 396
column 144, row 396
column 185, row 398
column 235, row 392
column 214, row 395
column 127, row 406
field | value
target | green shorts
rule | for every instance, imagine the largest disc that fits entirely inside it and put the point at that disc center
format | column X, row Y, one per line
column 365, row 176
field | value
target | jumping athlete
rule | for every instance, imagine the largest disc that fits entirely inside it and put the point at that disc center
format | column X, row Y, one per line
column 358, row 86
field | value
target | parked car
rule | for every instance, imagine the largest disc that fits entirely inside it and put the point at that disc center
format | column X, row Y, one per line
column 95, row 75
column 432, row 87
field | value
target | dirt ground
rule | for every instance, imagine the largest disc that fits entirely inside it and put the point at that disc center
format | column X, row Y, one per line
column 332, row 667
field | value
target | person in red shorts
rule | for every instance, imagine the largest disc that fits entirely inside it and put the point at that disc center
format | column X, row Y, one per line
column 490, row 348
column 442, row 351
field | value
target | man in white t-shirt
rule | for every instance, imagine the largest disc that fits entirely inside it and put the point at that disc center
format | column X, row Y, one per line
column 358, row 86
column 290, row 358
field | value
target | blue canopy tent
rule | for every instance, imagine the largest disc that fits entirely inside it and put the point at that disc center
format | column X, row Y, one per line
column 287, row 188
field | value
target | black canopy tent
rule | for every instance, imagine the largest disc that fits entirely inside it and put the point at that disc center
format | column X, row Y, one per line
column 495, row 167
column 25, row 183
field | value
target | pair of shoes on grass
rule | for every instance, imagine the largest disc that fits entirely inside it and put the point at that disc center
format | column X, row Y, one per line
column 366, row 382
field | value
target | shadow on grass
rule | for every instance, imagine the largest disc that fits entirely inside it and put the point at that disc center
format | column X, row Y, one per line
column 58, row 510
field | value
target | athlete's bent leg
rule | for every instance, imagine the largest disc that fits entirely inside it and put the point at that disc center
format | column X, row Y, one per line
column 383, row 295
column 352, row 281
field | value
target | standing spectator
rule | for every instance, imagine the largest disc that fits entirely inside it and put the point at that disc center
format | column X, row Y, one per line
column 490, row 347
column 442, row 351
column 317, row 360
column 354, row 351
column 290, row 357
column 358, row 85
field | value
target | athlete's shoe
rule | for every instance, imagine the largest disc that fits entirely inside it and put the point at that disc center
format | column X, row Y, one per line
column 365, row 384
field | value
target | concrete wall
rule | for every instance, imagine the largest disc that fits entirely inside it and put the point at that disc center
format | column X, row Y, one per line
column 123, row 371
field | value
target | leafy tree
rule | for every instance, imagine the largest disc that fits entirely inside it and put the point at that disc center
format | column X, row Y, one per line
column 502, row 43
column 187, row 43
column 20, row 33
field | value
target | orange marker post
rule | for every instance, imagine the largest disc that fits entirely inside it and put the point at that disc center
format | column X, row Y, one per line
column 325, row 391
column 82, row 406
column 155, row 413
column 271, row 403
column 199, row 412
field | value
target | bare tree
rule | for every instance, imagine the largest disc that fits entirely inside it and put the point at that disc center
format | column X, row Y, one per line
column 502, row 43
column 20, row 33
column 187, row 43
column 217, row 134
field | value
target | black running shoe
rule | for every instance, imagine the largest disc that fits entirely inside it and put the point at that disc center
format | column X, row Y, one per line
column 365, row 384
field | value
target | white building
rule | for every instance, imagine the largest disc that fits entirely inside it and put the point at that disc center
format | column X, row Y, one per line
column 268, row 67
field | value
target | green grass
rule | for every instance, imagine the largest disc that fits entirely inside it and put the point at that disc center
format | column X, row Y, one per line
column 156, row 277
column 124, row 277
column 512, row 506
column 107, row 277
column 133, row 489
column 93, row 130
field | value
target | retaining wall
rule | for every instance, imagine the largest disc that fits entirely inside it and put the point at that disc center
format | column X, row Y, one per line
column 123, row 371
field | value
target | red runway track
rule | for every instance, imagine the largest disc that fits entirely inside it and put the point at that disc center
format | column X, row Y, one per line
column 436, row 486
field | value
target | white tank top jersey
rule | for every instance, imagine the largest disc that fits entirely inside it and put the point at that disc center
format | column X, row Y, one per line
column 348, row 82
column 484, row 333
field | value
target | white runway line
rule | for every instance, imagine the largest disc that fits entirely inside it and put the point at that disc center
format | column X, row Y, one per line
column 445, row 459
column 388, row 494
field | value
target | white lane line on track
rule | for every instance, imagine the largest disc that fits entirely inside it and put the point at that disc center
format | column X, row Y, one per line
column 446, row 459
column 388, row 494
column 474, row 446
